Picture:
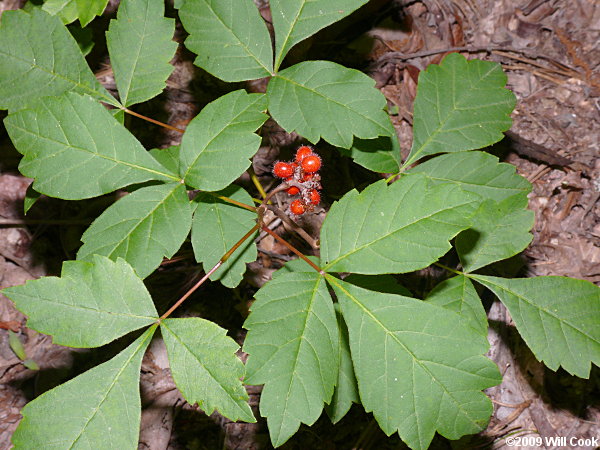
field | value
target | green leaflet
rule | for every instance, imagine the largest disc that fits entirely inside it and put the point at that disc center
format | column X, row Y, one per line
column 31, row 197
column 88, row 9
column 75, row 149
column 476, row 172
column 219, row 142
column 379, row 155
column 419, row 368
column 499, row 231
column 167, row 157
column 459, row 295
column 307, row 96
column 90, row 305
column 557, row 317
column 229, row 37
column 460, row 105
column 16, row 345
column 39, row 57
column 293, row 346
column 393, row 229
column 346, row 389
column 216, row 227
column 98, row 409
column 142, row 227
column 294, row 21
column 205, row 367
column 65, row 9
column 140, row 46
column 85, row 41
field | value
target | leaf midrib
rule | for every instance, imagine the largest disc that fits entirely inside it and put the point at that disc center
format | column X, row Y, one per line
column 281, row 53
column 247, row 50
column 537, row 307
column 111, row 386
column 414, row 156
column 512, row 189
column 85, row 308
column 329, row 99
column 130, row 75
column 387, row 235
column 204, row 366
column 84, row 150
column 401, row 344
column 302, row 339
column 109, row 99
column 142, row 219
column 230, row 122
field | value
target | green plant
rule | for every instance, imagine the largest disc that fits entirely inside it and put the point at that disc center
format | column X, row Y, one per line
column 315, row 340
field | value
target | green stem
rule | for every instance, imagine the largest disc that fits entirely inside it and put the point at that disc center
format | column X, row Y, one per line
column 456, row 272
column 233, row 202
column 256, row 182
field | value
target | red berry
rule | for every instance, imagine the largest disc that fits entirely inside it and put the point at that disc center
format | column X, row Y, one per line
column 314, row 198
column 298, row 207
column 283, row 169
column 303, row 152
column 293, row 190
column 311, row 164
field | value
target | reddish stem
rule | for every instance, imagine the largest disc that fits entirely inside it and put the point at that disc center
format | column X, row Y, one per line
column 223, row 259
column 294, row 249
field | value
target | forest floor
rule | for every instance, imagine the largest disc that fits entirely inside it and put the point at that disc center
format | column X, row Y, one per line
column 550, row 50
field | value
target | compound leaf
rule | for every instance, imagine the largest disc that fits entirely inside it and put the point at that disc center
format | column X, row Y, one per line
column 98, row 409
column 219, row 141
column 39, row 57
column 419, row 368
column 346, row 389
column 141, row 227
column 293, row 346
column 216, row 227
column 394, row 228
column 294, row 21
column 557, row 317
column 477, row 172
column 459, row 295
column 323, row 99
column 75, row 149
column 140, row 46
column 91, row 304
column 229, row 37
column 379, row 155
column 205, row 367
column 499, row 231
column 460, row 105
column 88, row 9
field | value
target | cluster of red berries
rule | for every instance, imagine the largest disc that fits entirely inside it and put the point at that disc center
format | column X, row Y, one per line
column 303, row 172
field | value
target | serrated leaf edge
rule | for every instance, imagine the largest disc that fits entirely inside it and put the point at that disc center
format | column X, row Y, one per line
column 243, row 414
column 485, row 280
column 474, row 421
